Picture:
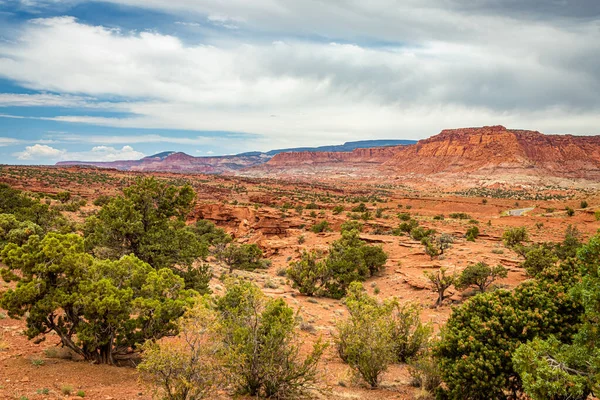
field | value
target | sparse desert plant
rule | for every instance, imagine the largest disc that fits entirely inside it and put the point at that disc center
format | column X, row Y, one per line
column 440, row 282
column 319, row 227
column 260, row 345
column 570, row 212
column 364, row 340
column 472, row 233
column 583, row 204
column 480, row 275
column 515, row 236
column 188, row 368
column 351, row 225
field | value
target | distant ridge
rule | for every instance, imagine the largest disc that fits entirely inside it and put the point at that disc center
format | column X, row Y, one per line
column 171, row 161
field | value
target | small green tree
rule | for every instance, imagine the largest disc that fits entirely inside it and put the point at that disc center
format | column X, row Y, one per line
column 319, row 227
column 308, row 274
column 515, row 236
column 539, row 259
column 472, row 233
column 260, row 345
column 102, row 310
column 350, row 259
column 246, row 257
column 440, row 282
column 350, row 226
column 481, row 336
column 365, row 339
column 481, row 275
column 188, row 368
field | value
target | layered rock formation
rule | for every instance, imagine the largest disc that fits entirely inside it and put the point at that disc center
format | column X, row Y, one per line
column 497, row 149
column 367, row 156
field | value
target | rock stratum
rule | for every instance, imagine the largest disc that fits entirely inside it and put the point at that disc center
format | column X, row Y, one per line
column 497, row 149
column 488, row 150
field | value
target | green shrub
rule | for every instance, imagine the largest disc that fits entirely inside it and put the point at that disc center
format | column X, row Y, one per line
column 460, row 215
column 515, row 236
column 246, row 257
column 350, row 259
column 480, row 338
column 440, row 282
column 365, row 340
column 351, row 225
column 481, row 275
column 338, row 210
column 187, row 368
column 361, row 208
column 111, row 307
column 261, row 346
column 319, row 227
column 472, row 233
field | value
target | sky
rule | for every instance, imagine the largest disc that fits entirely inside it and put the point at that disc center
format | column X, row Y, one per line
column 123, row 79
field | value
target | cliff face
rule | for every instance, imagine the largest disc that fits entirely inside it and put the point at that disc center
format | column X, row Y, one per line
column 497, row 149
column 370, row 156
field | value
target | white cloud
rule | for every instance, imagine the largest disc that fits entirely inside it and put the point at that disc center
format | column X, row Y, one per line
column 53, row 100
column 499, row 72
column 5, row 141
column 44, row 153
column 39, row 152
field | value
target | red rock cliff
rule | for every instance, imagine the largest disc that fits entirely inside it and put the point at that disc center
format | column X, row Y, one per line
column 495, row 148
column 376, row 155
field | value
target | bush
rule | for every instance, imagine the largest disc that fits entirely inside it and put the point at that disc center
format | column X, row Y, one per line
column 472, row 233
column 420, row 233
column 539, row 259
column 312, row 206
column 404, row 216
column 350, row 259
column 480, row 338
column 338, row 210
column 261, row 347
column 481, row 275
column 409, row 335
column 425, row 373
column 319, row 227
column 149, row 222
column 583, row 204
column 187, row 368
column 365, row 340
column 570, row 211
column 102, row 200
column 110, row 307
column 361, row 208
column 515, row 236
column 460, row 215
column 351, row 225
column 440, row 282
column 246, row 257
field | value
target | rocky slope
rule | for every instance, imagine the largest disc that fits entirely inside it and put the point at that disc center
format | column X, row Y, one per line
column 498, row 149
column 181, row 162
column 170, row 161
column 367, row 156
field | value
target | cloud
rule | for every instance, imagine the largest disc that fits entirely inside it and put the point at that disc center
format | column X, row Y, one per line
column 39, row 152
column 44, row 153
column 373, row 70
column 54, row 100
column 5, row 141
